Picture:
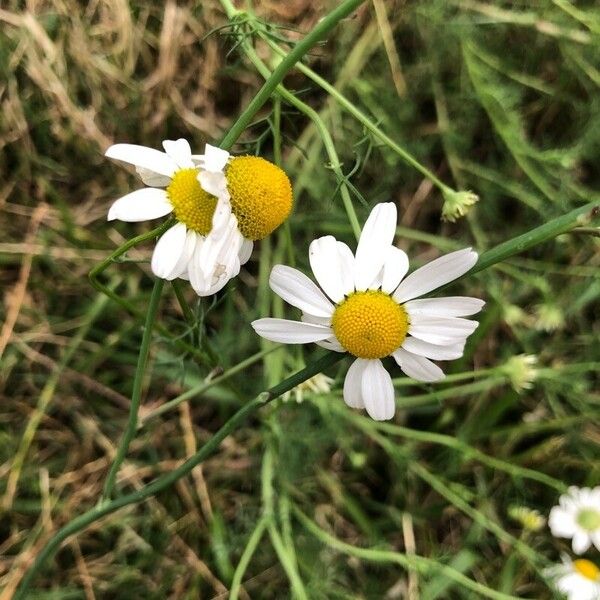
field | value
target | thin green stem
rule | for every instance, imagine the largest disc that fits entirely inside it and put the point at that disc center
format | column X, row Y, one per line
column 319, row 33
column 583, row 215
column 99, row 269
column 247, row 554
column 136, row 395
column 111, row 258
column 81, row 522
column 420, row 563
column 287, row 562
column 477, row 516
column 284, row 553
column 313, row 115
column 469, row 452
column 185, row 307
column 359, row 116
column 203, row 387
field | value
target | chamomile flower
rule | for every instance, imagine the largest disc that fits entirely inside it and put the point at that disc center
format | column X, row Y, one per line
column 578, row 579
column 222, row 204
column 370, row 309
column 577, row 516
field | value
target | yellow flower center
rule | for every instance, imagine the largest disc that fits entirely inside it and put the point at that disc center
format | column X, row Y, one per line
column 191, row 204
column 587, row 568
column 370, row 324
column 261, row 195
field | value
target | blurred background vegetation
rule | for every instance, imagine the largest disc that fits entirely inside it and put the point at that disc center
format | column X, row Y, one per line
column 496, row 97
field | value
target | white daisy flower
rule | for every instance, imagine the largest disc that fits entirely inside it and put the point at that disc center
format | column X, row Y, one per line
column 577, row 516
column 205, row 245
column 578, row 579
column 369, row 309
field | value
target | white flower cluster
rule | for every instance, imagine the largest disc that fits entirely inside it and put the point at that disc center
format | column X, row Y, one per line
column 205, row 245
column 577, row 517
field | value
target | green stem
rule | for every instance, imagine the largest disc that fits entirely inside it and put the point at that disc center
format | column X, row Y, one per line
column 99, row 269
column 111, row 258
column 185, row 307
column 247, row 554
column 468, row 451
column 81, row 522
column 477, row 516
column 136, row 395
column 302, row 47
column 313, row 115
column 284, row 553
column 420, row 563
column 580, row 216
column 203, row 387
column 188, row 314
column 360, row 116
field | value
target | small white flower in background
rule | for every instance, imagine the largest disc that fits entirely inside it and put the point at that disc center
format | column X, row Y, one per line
column 529, row 518
column 317, row 384
column 205, row 245
column 457, row 204
column 578, row 579
column 514, row 315
column 549, row 317
column 521, row 370
column 577, row 516
column 372, row 311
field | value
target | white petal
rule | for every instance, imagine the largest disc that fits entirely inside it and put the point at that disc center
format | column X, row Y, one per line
column 217, row 242
column 246, row 251
column 436, row 274
column 417, row 367
column 180, row 151
column 308, row 318
column 416, row 346
column 328, row 267
column 140, row 156
column 394, row 269
column 223, row 219
column 299, row 291
column 561, row 522
column 441, row 330
column 378, row 391
column 152, row 179
column 198, row 279
column 376, row 238
column 217, row 261
column 581, row 542
column 220, row 278
column 181, row 267
column 168, row 251
column 141, row 205
column 214, row 183
column 450, row 306
column 378, row 281
column 576, row 587
column 596, row 539
column 353, row 384
column 214, row 158
column 290, row 332
column 346, row 267
column 331, row 344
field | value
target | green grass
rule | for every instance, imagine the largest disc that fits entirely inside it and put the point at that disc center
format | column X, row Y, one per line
column 304, row 499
